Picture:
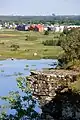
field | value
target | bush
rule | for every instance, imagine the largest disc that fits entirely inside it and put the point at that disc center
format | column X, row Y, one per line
column 30, row 38
column 51, row 43
column 56, row 36
column 14, row 47
column 46, row 32
column 66, row 31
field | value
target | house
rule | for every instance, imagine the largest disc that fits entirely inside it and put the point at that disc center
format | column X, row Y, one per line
column 10, row 26
column 52, row 27
column 39, row 28
column 45, row 28
column 73, row 27
column 31, row 27
column 57, row 29
column 26, row 27
column 21, row 27
column 0, row 27
column 61, row 28
column 14, row 26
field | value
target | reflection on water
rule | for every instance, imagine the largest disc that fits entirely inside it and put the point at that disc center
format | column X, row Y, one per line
column 11, row 69
column 15, row 68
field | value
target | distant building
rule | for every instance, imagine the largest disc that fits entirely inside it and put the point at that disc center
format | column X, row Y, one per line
column 0, row 27
column 31, row 27
column 45, row 28
column 22, row 27
column 73, row 26
column 57, row 29
column 39, row 28
column 14, row 26
column 26, row 27
column 61, row 29
column 36, row 27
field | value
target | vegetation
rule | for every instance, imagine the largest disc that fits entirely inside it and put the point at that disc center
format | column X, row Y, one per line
column 46, row 32
column 14, row 47
column 51, row 42
column 31, row 38
column 23, row 44
column 24, row 106
column 68, row 20
column 70, row 42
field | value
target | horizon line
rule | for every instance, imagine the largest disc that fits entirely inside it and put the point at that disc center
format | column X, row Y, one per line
column 41, row 15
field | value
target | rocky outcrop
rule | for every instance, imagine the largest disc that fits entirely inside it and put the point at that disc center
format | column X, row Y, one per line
column 47, row 84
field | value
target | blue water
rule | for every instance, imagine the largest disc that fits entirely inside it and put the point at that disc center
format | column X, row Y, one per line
column 11, row 69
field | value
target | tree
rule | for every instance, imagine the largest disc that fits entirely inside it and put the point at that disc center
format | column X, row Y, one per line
column 70, row 42
column 22, row 104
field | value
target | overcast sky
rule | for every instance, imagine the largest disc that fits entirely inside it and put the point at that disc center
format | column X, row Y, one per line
column 39, row 7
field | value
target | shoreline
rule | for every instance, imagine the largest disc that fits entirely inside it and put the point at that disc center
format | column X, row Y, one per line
column 27, row 58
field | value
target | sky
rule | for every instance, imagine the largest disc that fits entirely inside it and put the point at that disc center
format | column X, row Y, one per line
column 39, row 7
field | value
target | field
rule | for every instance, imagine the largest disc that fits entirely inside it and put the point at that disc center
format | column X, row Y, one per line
column 24, row 44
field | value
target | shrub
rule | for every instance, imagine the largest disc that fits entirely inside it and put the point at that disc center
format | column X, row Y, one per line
column 14, row 47
column 31, row 38
column 46, row 32
column 56, row 36
column 51, row 43
column 66, row 31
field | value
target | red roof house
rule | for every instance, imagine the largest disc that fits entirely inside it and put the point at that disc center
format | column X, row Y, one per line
column 39, row 28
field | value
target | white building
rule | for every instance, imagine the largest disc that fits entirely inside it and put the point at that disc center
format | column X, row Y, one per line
column 57, row 29
column 45, row 28
column 73, row 26
column 0, row 27
column 61, row 28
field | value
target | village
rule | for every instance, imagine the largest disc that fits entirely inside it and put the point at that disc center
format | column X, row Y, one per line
column 37, row 27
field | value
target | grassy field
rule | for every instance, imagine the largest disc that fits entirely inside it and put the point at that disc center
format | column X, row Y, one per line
column 27, row 47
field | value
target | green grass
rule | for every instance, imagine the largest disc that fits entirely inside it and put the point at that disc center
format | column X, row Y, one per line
column 27, row 47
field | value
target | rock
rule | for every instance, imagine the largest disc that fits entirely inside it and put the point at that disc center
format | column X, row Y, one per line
column 48, row 99
column 64, row 90
column 47, row 84
column 34, row 73
column 54, row 95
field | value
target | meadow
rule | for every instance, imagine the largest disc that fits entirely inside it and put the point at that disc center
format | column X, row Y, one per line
column 24, row 45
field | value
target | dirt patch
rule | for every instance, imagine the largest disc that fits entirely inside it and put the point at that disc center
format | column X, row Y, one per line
column 7, row 35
